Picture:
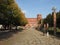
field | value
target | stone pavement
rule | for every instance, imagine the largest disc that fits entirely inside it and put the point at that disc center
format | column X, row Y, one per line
column 30, row 37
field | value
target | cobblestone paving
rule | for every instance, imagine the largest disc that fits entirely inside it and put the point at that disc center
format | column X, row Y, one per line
column 30, row 37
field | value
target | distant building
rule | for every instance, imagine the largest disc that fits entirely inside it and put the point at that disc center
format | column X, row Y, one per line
column 32, row 22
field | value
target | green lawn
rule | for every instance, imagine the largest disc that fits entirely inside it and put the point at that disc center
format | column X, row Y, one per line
column 52, row 29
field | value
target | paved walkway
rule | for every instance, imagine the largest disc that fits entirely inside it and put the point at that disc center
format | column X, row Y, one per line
column 30, row 37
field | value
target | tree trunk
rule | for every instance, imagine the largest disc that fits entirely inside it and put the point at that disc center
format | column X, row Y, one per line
column 5, row 27
column 10, row 27
column 16, row 27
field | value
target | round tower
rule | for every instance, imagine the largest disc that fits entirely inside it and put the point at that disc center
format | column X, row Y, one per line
column 39, row 17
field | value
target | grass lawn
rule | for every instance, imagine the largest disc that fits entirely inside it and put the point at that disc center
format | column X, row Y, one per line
column 51, row 30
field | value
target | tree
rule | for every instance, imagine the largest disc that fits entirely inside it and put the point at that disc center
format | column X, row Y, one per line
column 49, row 19
column 58, row 19
column 11, row 14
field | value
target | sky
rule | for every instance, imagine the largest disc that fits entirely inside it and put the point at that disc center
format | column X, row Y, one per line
column 33, row 7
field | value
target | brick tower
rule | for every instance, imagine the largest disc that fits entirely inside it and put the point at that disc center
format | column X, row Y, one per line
column 39, row 17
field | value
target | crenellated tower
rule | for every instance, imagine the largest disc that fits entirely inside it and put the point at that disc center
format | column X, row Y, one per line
column 39, row 17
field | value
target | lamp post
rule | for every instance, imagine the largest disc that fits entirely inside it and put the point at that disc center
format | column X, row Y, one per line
column 54, row 19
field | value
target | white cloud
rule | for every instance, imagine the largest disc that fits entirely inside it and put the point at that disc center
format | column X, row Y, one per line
column 24, row 11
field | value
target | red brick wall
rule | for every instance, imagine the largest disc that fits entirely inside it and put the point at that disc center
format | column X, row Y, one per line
column 32, row 21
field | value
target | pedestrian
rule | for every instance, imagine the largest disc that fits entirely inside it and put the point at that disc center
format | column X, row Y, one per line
column 44, row 30
column 47, row 29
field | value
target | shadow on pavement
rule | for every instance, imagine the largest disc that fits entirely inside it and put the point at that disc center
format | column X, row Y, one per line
column 5, row 35
column 58, row 35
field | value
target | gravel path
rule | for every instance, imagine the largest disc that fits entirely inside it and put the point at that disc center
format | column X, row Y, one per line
column 30, row 37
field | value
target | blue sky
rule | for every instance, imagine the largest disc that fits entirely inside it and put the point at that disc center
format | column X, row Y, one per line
column 33, row 7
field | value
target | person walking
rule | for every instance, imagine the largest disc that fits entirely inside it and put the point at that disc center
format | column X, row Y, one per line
column 47, row 29
column 44, row 30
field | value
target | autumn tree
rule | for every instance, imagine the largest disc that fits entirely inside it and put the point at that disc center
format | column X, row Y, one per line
column 11, row 14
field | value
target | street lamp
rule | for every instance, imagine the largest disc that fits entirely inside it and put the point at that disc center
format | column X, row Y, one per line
column 54, row 19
